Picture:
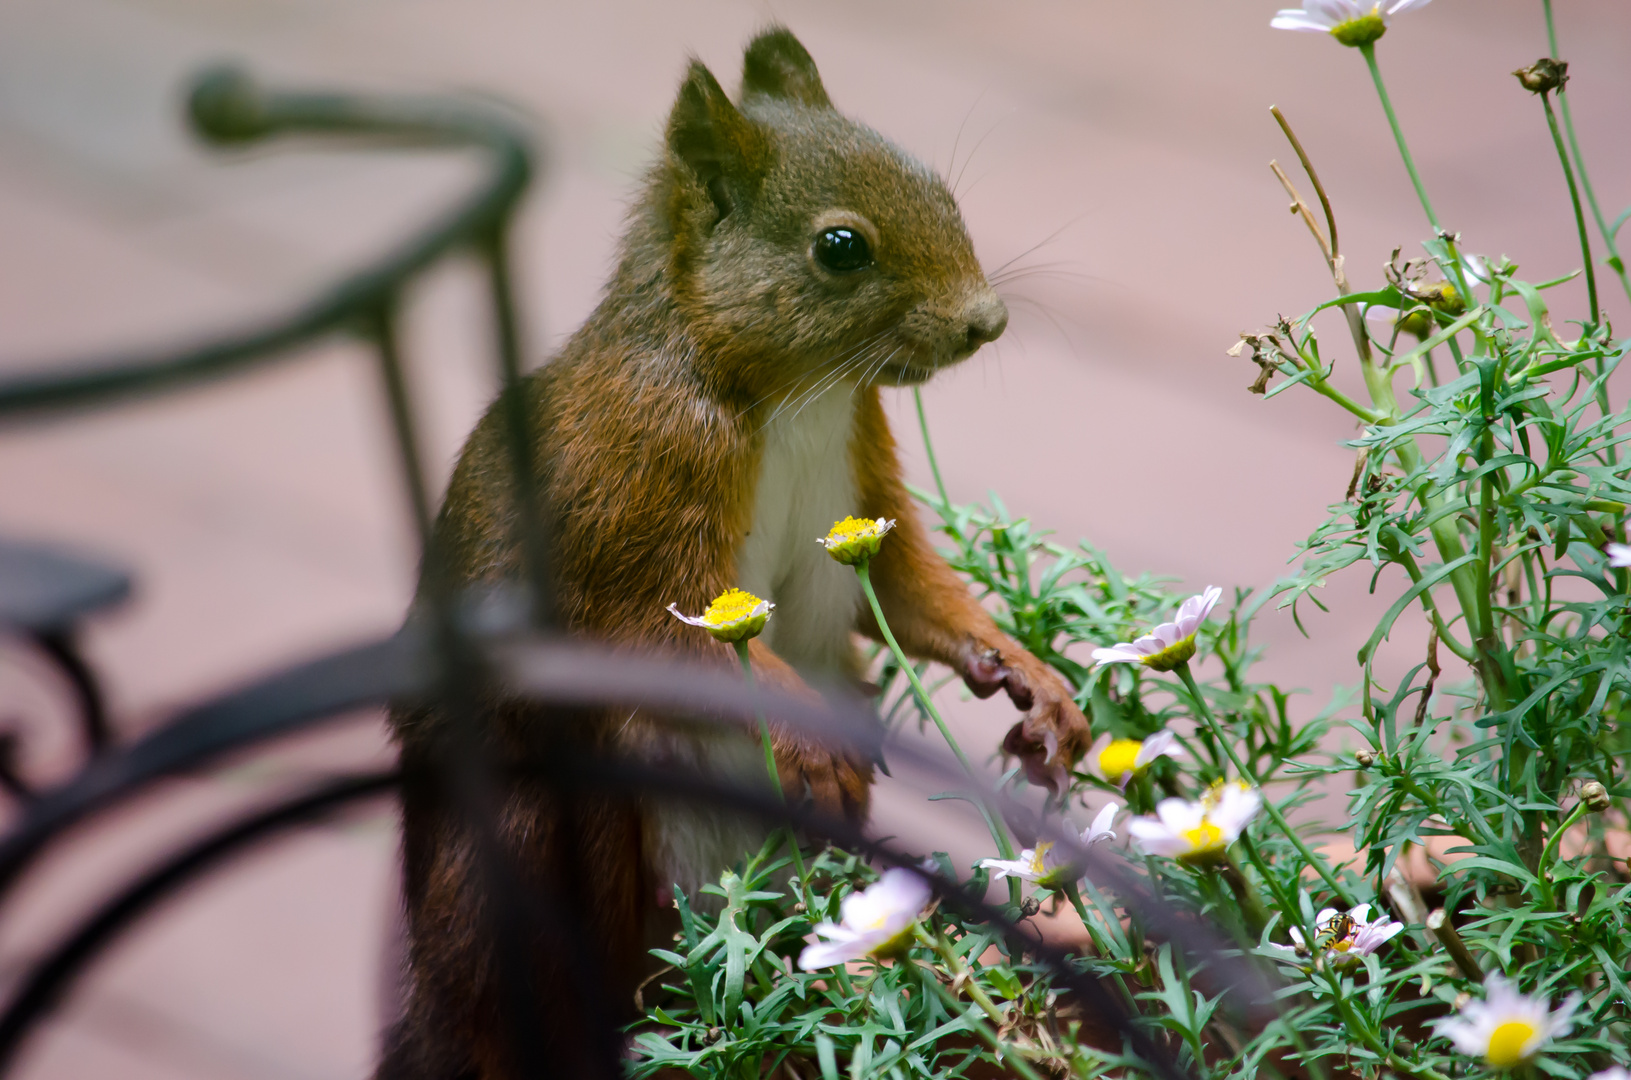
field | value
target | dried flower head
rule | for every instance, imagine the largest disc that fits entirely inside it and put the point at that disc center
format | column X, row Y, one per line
column 733, row 616
column 1544, row 75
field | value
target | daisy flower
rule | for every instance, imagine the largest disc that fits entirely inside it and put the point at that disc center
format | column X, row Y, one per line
column 1507, row 1028
column 855, row 539
column 1119, row 760
column 1168, row 645
column 876, row 921
column 1352, row 22
column 733, row 616
column 1039, row 866
column 1198, row 831
column 1619, row 554
column 1618, row 1072
column 1345, row 938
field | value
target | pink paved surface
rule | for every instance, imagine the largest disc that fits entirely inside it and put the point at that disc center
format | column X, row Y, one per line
column 1129, row 141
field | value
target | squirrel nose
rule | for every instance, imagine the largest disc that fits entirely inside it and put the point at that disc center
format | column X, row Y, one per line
column 987, row 318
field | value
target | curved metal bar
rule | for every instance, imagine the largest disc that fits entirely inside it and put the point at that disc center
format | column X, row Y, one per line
column 368, row 675
column 44, row 986
column 60, row 645
column 228, row 108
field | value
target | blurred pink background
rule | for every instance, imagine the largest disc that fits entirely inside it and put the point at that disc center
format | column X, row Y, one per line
column 1118, row 150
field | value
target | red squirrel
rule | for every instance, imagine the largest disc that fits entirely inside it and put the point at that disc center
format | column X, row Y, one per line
column 714, row 416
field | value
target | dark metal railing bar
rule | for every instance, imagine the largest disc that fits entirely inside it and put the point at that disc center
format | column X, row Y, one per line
column 227, row 107
column 286, row 702
column 533, row 527
column 43, row 987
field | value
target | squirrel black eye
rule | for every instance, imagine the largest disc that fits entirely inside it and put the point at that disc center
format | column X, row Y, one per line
column 842, row 250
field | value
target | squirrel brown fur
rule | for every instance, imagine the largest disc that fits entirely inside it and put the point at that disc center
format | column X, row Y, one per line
column 716, row 414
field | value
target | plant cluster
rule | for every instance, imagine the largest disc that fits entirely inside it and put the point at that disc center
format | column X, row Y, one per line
column 1489, row 477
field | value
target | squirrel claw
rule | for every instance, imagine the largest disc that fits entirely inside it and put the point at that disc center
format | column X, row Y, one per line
column 987, row 674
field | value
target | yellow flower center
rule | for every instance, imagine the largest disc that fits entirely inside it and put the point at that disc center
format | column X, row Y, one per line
column 730, row 606
column 1119, row 758
column 851, row 528
column 1204, row 837
column 1361, row 31
column 1036, row 856
column 1342, row 945
column 1508, row 1042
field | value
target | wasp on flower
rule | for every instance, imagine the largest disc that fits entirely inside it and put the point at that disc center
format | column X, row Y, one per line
column 1344, row 936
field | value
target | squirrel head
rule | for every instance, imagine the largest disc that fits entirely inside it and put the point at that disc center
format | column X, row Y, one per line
column 803, row 245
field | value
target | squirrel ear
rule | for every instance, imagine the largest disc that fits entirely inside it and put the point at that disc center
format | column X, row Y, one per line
column 709, row 135
column 776, row 65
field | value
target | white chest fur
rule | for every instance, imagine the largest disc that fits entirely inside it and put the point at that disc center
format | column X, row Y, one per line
column 805, row 484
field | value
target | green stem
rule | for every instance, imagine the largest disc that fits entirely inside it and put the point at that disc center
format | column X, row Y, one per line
column 1011, row 1055
column 1369, row 52
column 1273, row 811
column 1550, row 850
column 1614, row 259
column 1357, row 1025
column 775, row 777
column 928, row 449
column 998, row 833
column 1579, row 214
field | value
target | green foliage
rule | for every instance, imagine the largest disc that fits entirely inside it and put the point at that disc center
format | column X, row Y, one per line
column 1486, row 496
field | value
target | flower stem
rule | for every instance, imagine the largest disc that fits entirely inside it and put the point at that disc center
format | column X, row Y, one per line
column 1550, row 850
column 775, row 777
column 1369, row 52
column 998, row 833
column 1579, row 214
column 928, row 449
column 1273, row 811
column 1614, row 260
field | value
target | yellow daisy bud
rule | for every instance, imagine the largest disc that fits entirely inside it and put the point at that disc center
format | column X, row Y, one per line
column 854, row 539
column 733, row 616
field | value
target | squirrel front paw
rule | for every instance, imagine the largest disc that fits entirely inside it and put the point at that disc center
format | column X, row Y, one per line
column 838, row 783
column 1053, row 733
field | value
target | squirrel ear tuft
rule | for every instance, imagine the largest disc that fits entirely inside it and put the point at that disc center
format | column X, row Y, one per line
column 710, row 135
column 776, row 65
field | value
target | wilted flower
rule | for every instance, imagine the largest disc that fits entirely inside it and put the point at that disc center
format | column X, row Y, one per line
column 1198, row 831
column 875, row 921
column 1619, row 554
column 1507, row 1028
column 1168, row 645
column 855, row 539
column 1352, row 22
column 1121, row 759
column 733, row 616
column 1344, row 937
column 1039, row 866
column 1544, row 75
